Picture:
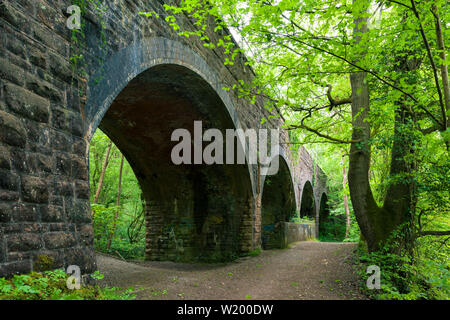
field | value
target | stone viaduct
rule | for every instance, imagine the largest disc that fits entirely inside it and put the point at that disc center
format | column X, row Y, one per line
column 141, row 82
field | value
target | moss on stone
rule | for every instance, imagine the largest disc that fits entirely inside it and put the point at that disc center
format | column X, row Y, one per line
column 43, row 262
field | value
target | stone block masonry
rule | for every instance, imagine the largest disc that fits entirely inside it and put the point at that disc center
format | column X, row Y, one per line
column 145, row 82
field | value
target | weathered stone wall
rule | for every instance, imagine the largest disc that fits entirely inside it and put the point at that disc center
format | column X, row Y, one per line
column 306, row 170
column 294, row 232
column 278, row 206
column 48, row 115
column 44, row 187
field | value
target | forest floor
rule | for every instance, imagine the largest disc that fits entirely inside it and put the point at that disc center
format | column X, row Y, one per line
column 306, row 270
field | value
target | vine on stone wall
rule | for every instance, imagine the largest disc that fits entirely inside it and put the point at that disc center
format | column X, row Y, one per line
column 78, row 40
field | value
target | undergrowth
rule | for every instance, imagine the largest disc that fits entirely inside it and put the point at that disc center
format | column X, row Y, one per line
column 52, row 285
column 405, row 278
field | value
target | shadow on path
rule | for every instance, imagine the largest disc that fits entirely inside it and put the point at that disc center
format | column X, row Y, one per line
column 307, row 270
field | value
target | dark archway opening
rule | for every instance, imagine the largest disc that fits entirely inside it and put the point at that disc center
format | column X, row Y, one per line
column 192, row 212
column 277, row 206
column 307, row 204
column 324, row 213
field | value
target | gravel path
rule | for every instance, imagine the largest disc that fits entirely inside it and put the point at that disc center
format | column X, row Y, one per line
column 307, row 270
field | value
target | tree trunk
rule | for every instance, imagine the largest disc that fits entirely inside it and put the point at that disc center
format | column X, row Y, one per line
column 119, row 191
column 347, row 210
column 102, row 175
column 399, row 204
column 366, row 210
column 377, row 223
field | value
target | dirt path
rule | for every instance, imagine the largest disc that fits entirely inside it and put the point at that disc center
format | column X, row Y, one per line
column 307, row 270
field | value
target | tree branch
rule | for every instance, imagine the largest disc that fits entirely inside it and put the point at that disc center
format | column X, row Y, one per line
column 334, row 102
column 322, row 135
column 361, row 69
column 434, row 233
column 433, row 65
column 444, row 68
column 350, row 63
column 399, row 3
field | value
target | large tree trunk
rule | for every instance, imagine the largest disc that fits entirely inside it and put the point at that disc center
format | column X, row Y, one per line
column 366, row 210
column 377, row 223
column 399, row 201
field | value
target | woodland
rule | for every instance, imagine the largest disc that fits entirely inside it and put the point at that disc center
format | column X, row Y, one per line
column 364, row 86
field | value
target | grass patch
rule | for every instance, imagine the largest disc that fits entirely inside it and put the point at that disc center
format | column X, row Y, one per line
column 255, row 253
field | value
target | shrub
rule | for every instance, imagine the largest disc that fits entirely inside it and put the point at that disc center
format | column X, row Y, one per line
column 52, row 285
column 403, row 278
column 255, row 252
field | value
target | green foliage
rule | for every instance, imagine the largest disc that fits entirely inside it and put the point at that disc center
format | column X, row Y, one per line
column 334, row 226
column 333, row 230
column 78, row 38
column 255, row 253
column 52, row 285
column 423, row 276
column 129, row 234
column 103, row 221
column 304, row 220
column 331, row 159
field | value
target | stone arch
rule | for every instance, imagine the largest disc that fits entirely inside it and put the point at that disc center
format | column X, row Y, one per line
column 278, row 205
column 284, row 160
column 47, row 126
column 129, row 62
column 307, row 202
column 193, row 212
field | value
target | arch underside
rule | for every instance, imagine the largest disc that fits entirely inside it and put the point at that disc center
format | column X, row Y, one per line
column 277, row 206
column 193, row 212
